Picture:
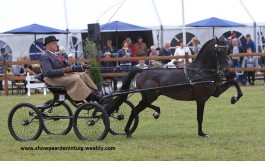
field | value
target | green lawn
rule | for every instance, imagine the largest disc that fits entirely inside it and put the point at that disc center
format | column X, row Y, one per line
column 236, row 133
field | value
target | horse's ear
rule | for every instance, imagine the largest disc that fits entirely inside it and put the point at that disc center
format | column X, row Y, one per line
column 216, row 40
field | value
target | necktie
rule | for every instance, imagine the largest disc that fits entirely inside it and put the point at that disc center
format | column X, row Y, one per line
column 62, row 60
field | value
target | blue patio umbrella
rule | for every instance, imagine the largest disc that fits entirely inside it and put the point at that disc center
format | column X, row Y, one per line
column 36, row 29
column 215, row 22
column 118, row 26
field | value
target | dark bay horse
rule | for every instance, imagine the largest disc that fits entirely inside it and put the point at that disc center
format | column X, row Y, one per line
column 198, row 81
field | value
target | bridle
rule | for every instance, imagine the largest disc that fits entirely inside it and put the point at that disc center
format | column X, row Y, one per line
column 218, row 67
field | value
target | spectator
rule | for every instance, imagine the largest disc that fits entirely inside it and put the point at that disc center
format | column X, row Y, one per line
column 233, row 35
column 71, row 60
column 141, row 64
column 132, row 48
column 125, row 52
column 196, row 46
column 109, row 67
column 109, row 47
column 62, row 51
column 18, row 70
column 28, row 67
column 181, row 51
column 165, row 51
column 236, row 49
column 4, row 56
column 250, row 62
column 141, row 47
column 248, row 43
column 153, row 52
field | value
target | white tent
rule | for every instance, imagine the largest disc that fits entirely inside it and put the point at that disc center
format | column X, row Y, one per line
column 149, row 13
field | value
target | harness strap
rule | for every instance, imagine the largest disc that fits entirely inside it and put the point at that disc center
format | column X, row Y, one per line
column 187, row 76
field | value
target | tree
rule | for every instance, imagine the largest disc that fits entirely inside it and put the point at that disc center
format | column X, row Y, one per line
column 90, row 51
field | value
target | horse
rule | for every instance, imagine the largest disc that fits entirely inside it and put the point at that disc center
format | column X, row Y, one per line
column 198, row 81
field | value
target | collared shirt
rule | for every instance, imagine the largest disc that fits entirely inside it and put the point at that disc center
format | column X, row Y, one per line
column 235, row 51
column 59, row 57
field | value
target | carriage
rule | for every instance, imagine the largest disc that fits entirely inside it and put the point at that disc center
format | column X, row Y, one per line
column 90, row 121
column 93, row 121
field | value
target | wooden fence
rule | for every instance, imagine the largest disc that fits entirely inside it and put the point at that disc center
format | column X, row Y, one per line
column 5, row 77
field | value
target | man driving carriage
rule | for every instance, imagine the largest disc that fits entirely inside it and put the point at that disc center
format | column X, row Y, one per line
column 58, row 72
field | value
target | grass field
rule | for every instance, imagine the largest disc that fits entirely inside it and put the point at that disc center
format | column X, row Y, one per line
column 236, row 133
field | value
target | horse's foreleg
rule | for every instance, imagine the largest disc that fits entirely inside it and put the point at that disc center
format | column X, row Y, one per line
column 157, row 111
column 235, row 98
column 200, row 111
column 225, row 86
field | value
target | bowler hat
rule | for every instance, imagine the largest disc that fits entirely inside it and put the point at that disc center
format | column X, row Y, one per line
column 49, row 39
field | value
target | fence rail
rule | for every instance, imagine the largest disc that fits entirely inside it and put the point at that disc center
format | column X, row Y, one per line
column 7, row 77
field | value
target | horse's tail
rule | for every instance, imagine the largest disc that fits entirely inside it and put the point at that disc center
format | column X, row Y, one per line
column 116, row 102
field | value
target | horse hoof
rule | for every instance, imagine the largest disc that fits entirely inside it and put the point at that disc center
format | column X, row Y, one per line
column 204, row 136
column 129, row 136
column 156, row 115
column 233, row 100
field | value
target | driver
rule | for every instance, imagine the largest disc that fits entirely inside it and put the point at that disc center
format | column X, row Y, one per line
column 58, row 72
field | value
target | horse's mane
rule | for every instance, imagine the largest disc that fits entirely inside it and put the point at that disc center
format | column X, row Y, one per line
column 204, row 47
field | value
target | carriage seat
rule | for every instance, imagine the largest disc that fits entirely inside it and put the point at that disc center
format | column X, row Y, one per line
column 53, row 89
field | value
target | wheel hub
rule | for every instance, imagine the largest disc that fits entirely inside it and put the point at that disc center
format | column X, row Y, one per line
column 91, row 123
column 120, row 117
column 25, row 122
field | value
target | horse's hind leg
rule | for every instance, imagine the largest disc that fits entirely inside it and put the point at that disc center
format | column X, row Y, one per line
column 156, row 114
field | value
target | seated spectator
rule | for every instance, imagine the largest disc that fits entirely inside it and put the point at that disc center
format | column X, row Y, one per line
column 165, row 51
column 62, row 51
column 250, row 62
column 109, row 47
column 109, row 67
column 28, row 67
column 181, row 51
column 18, row 70
column 153, row 52
column 141, row 65
column 196, row 46
column 236, row 49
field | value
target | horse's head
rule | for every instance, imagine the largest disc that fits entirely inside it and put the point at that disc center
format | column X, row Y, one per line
column 220, row 55
column 213, row 55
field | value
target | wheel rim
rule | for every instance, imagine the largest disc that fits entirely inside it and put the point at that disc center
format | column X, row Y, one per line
column 89, row 123
column 25, row 123
column 56, row 120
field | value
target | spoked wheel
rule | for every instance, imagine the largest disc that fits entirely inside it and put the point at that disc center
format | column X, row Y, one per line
column 25, row 122
column 91, row 122
column 57, row 119
column 119, row 119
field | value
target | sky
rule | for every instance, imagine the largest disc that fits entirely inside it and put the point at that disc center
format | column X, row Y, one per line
column 18, row 13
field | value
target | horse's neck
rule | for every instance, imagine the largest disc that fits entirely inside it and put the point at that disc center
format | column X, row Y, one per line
column 203, row 61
